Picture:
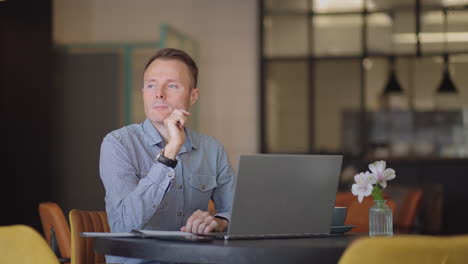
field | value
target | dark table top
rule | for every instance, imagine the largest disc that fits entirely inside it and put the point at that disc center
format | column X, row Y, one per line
column 289, row 250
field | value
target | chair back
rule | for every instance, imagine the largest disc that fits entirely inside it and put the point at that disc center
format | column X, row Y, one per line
column 22, row 244
column 415, row 249
column 344, row 199
column 408, row 210
column 211, row 208
column 55, row 224
column 358, row 214
column 83, row 248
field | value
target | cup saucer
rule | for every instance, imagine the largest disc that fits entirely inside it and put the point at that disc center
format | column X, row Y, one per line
column 341, row 229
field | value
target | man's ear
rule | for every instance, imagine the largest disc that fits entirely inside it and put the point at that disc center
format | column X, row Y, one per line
column 194, row 94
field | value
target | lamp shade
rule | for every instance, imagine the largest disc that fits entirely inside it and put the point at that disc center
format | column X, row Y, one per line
column 446, row 85
column 393, row 85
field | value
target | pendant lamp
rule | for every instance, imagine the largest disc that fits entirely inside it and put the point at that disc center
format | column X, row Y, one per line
column 393, row 85
column 446, row 85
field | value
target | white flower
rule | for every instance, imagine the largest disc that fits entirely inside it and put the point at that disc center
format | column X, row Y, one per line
column 381, row 174
column 363, row 186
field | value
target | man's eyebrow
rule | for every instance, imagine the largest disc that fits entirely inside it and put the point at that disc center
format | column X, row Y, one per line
column 153, row 80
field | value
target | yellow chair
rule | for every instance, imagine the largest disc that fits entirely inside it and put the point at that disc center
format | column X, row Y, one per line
column 20, row 244
column 415, row 249
column 82, row 249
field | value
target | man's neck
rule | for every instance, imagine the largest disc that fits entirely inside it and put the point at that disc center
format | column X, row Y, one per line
column 161, row 130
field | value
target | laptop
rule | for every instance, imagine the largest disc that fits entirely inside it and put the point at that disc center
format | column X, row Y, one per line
column 280, row 195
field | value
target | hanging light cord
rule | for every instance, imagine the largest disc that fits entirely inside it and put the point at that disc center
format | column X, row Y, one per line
column 446, row 62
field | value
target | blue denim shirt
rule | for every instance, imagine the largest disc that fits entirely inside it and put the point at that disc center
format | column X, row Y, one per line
column 142, row 193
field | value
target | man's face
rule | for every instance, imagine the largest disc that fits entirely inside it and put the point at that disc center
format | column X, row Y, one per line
column 167, row 85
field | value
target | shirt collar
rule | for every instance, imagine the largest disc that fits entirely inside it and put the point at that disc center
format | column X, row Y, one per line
column 154, row 138
column 151, row 133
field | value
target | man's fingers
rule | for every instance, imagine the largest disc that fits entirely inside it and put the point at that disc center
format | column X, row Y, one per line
column 196, row 225
column 211, row 227
column 188, row 225
column 200, row 222
column 177, row 118
column 201, row 228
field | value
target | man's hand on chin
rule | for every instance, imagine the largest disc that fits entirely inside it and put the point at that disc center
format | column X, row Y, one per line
column 203, row 222
column 174, row 125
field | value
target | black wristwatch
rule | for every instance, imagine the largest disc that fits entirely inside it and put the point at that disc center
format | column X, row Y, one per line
column 165, row 160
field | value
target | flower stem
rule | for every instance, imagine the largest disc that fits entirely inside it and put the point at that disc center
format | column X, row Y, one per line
column 377, row 193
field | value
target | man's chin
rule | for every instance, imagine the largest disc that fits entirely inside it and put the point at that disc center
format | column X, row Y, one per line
column 157, row 121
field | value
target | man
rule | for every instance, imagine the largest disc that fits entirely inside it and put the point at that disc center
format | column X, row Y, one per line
column 159, row 174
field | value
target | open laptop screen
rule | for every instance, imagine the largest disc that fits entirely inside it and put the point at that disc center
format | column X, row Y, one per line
column 284, row 194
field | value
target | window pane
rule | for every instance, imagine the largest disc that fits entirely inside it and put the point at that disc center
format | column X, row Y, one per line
column 285, row 35
column 457, row 27
column 326, row 6
column 290, row 5
column 379, row 33
column 459, row 68
column 287, row 107
column 404, row 37
column 433, row 124
column 438, row 37
column 337, row 35
column 432, row 28
column 337, row 90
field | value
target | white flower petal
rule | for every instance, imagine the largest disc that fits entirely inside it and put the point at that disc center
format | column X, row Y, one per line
column 361, row 191
column 357, row 178
column 372, row 178
column 383, row 184
column 360, row 198
column 388, row 174
column 381, row 165
column 355, row 189
column 373, row 168
column 368, row 190
column 377, row 167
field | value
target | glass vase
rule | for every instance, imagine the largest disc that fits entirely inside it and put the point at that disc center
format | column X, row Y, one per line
column 380, row 219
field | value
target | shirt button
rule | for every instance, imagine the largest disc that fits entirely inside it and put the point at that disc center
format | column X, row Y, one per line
column 170, row 174
column 179, row 214
column 179, row 186
column 203, row 187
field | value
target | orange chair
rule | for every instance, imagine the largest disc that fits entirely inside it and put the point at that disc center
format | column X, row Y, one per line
column 358, row 214
column 211, row 208
column 56, row 230
column 344, row 199
column 408, row 211
column 83, row 248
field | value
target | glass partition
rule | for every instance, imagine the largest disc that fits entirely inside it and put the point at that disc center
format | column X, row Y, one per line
column 287, row 118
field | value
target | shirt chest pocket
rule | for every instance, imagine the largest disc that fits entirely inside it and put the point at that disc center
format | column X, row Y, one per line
column 203, row 183
column 202, row 187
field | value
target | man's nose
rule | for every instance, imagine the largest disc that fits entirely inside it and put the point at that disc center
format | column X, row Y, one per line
column 160, row 94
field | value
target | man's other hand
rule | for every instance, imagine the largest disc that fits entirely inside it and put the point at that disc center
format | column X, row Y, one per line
column 203, row 222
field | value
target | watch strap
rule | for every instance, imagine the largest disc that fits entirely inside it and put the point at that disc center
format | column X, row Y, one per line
column 165, row 160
